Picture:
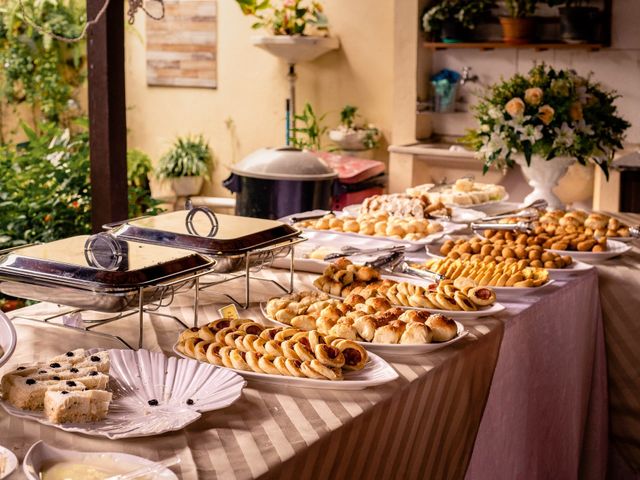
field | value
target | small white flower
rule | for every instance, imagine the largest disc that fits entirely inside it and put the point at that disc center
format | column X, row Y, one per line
column 565, row 136
column 582, row 127
column 485, row 128
column 530, row 133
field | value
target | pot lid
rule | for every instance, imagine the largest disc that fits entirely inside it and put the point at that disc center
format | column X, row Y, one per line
column 284, row 164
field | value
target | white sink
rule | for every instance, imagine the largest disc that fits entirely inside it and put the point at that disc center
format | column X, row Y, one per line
column 296, row 49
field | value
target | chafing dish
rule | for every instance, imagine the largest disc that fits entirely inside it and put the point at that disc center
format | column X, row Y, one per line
column 238, row 244
column 100, row 273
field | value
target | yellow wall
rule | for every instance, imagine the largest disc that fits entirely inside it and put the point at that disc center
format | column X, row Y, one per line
column 252, row 85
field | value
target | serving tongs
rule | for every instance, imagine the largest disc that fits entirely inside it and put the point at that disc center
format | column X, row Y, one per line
column 349, row 251
column 524, row 227
column 530, row 212
column 309, row 216
column 424, row 274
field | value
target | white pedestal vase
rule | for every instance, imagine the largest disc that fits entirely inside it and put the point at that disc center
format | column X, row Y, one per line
column 543, row 176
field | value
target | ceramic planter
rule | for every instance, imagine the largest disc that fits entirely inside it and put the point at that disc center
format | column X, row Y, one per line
column 186, row 186
column 543, row 176
column 518, row 31
column 351, row 139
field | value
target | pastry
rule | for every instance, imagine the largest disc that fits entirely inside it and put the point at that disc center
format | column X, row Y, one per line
column 76, row 406
column 71, row 375
column 416, row 333
column 276, row 351
column 442, row 328
column 463, row 192
column 378, row 223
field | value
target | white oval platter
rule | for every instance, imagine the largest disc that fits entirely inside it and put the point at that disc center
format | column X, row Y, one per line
column 8, row 338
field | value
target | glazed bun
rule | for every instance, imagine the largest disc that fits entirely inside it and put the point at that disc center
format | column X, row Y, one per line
column 443, row 328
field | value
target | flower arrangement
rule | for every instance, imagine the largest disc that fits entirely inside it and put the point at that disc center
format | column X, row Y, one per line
column 550, row 113
column 287, row 17
column 467, row 13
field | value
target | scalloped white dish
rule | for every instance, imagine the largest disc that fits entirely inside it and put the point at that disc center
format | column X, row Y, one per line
column 483, row 207
column 8, row 338
column 392, row 348
column 140, row 376
column 614, row 248
column 376, row 372
column 42, row 455
column 10, row 462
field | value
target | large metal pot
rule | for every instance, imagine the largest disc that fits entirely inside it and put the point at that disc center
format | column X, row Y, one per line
column 276, row 182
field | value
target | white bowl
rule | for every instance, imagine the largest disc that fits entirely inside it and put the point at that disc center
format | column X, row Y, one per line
column 7, row 338
column 41, row 454
column 11, row 462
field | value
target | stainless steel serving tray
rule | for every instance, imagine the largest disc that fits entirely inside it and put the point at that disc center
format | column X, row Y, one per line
column 68, row 273
column 230, row 235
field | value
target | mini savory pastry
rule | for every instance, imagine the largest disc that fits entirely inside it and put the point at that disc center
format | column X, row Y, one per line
column 75, row 384
column 356, row 319
column 250, row 346
column 464, row 192
column 361, row 282
column 403, row 205
column 378, row 225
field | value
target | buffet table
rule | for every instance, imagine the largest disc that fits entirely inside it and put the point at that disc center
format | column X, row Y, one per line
column 423, row 425
column 620, row 308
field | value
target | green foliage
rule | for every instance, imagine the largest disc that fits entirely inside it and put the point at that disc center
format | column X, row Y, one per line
column 551, row 113
column 521, row 8
column 45, row 189
column 309, row 136
column 189, row 156
column 44, row 186
column 468, row 13
column 138, row 170
column 288, row 17
column 348, row 115
column 38, row 70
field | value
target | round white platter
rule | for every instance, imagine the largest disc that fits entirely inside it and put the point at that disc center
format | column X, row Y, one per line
column 10, row 462
column 614, row 249
column 376, row 372
column 391, row 348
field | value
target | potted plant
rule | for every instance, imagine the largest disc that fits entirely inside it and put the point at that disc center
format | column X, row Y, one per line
column 186, row 165
column 519, row 27
column 544, row 122
column 580, row 23
column 452, row 20
column 349, row 135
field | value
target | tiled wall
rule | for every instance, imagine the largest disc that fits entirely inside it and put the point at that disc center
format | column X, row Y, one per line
column 616, row 68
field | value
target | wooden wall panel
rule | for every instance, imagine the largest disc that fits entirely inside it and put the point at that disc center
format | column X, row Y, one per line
column 181, row 48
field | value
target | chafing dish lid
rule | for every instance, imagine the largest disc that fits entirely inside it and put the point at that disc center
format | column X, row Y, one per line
column 234, row 234
column 68, row 262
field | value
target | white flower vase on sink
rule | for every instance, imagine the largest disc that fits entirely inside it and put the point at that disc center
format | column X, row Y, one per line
column 543, row 176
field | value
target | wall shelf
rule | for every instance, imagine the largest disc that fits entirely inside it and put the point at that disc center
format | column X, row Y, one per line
column 498, row 45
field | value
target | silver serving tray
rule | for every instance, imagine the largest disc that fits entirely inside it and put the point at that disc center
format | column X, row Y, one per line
column 72, row 272
column 229, row 239
column 211, row 235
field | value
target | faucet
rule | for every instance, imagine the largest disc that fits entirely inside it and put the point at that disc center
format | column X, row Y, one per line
column 467, row 77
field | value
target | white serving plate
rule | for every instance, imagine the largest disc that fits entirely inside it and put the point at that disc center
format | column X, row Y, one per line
column 614, row 249
column 139, row 376
column 483, row 207
column 458, row 214
column 513, row 293
column 8, row 338
column 391, row 348
column 11, row 462
column 41, row 454
column 376, row 372
column 576, row 267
